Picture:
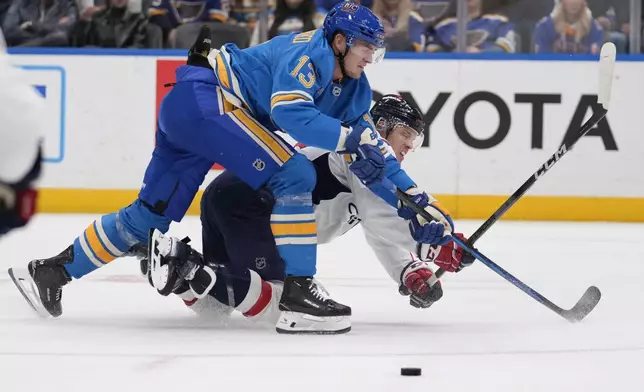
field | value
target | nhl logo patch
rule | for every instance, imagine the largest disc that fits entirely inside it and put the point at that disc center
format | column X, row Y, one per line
column 260, row 262
column 259, row 164
column 337, row 90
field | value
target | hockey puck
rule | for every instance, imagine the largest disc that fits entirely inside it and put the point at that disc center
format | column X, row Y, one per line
column 410, row 371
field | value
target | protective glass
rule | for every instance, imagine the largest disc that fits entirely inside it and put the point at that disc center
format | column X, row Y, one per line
column 409, row 135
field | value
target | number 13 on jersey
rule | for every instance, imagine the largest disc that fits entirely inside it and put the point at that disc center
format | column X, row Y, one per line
column 307, row 80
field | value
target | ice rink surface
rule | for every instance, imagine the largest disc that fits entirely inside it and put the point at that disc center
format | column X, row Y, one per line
column 116, row 333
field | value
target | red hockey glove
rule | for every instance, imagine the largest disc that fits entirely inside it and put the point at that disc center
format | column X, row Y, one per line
column 418, row 281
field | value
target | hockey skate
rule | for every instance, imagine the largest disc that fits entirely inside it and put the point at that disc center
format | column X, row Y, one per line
column 41, row 283
column 307, row 309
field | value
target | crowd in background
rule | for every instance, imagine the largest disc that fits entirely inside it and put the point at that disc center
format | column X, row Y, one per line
column 527, row 26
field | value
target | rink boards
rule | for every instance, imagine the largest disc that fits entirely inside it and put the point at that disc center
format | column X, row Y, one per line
column 493, row 122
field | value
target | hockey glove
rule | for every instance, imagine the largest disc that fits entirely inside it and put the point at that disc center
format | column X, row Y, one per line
column 370, row 165
column 436, row 232
column 450, row 257
column 418, row 281
column 365, row 143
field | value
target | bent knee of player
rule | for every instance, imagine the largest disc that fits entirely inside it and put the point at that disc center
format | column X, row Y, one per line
column 136, row 220
column 297, row 176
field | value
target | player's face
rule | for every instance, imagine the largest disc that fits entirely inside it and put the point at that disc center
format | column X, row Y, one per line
column 359, row 56
column 403, row 140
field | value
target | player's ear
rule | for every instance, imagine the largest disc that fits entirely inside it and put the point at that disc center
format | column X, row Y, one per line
column 339, row 43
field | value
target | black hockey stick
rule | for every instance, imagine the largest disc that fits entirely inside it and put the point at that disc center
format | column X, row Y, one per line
column 606, row 66
column 584, row 306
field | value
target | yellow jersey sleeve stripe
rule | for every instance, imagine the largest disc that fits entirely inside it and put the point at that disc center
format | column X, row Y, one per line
column 222, row 72
column 288, row 98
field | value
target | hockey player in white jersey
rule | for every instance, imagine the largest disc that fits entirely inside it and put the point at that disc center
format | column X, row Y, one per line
column 21, row 127
column 243, row 270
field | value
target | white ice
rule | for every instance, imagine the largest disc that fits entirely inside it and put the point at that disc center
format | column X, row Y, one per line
column 484, row 335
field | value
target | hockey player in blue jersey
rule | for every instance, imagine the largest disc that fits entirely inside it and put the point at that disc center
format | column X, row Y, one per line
column 309, row 85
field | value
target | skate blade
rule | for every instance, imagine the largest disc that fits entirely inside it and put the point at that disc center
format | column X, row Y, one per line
column 303, row 324
column 27, row 287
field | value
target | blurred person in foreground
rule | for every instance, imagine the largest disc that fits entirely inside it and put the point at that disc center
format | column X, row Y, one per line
column 40, row 22
column 112, row 27
column 22, row 125
column 570, row 28
column 291, row 16
column 486, row 32
column 404, row 28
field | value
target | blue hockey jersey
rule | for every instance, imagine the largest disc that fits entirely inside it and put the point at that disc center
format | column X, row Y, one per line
column 286, row 83
column 489, row 32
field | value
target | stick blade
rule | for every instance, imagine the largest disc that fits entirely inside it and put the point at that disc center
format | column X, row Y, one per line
column 606, row 70
column 584, row 306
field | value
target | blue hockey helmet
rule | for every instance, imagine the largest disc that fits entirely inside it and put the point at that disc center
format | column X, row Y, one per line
column 356, row 22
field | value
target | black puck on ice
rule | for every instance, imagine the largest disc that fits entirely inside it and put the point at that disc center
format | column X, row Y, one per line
column 410, row 371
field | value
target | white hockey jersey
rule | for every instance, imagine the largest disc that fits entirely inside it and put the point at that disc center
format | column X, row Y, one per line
column 21, row 121
column 345, row 202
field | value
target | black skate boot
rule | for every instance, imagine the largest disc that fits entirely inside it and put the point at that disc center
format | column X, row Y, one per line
column 307, row 309
column 41, row 283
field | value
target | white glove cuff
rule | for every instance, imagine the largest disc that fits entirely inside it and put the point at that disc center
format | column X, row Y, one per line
column 342, row 140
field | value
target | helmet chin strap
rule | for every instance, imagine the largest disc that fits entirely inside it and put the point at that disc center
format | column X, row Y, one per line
column 341, row 57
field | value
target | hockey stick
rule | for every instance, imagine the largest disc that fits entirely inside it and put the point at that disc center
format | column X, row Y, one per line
column 606, row 67
column 584, row 306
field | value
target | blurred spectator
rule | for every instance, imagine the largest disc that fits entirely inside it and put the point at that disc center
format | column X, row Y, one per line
column 524, row 15
column 4, row 7
column 328, row 4
column 292, row 16
column 569, row 29
column 40, row 22
column 432, row 10
column 111, row 27
column 245, row 12
column 486, row 32
column 170, row 14
column 404, row 28
column 614, row 17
